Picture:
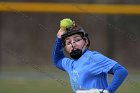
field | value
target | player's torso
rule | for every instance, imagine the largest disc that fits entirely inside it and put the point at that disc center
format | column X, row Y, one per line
column 82, row 74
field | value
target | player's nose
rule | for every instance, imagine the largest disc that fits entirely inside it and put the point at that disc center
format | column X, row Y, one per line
column 73, row 45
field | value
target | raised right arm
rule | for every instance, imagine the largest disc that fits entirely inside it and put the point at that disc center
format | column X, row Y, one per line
column 57, row 54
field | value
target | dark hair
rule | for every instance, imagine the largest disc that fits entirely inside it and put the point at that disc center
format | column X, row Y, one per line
column 75, row 30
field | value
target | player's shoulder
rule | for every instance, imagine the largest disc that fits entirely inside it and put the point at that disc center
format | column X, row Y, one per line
column 95, row 52
column 89, row 52
column 96, row 55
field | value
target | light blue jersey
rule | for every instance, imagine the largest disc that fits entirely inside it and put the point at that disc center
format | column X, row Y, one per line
column 89, row 71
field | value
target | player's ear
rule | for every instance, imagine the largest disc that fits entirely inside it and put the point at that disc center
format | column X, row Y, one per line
column 86, row 40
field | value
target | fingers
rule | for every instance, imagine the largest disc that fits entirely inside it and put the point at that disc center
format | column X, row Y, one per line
column 60, row 32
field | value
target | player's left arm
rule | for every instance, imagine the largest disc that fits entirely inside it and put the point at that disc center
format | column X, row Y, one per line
column 119, row 75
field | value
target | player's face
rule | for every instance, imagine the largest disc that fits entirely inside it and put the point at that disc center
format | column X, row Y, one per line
column 74, row 42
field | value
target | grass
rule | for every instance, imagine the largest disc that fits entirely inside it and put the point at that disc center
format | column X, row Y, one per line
column 51, row 86
column 32, row 86
column 37, row 82
column 129, row 87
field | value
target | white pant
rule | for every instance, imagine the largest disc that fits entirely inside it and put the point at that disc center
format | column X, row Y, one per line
column 94, row 90
column 88, row 91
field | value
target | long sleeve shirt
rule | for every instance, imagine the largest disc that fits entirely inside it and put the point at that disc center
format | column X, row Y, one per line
column 90, row 70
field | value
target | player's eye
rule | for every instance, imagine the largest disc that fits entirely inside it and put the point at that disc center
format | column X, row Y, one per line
column 77, row 39
column 67, row 42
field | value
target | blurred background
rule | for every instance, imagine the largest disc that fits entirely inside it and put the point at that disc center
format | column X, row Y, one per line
column 28, row 30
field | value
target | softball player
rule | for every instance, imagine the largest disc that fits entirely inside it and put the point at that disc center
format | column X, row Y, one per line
column 88, row 70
